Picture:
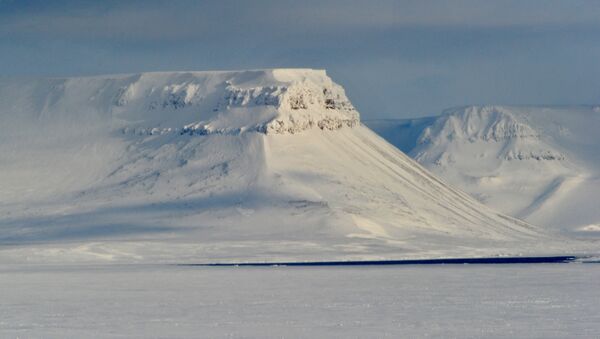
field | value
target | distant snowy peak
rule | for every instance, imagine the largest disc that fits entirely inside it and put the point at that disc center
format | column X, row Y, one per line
column 538, row 163
column 484, row 124
column 487, row 123
column 268, row 101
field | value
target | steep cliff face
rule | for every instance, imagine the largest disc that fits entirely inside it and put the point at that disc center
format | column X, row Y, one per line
column 204, row 166
column 536, row 163
column 268, row 101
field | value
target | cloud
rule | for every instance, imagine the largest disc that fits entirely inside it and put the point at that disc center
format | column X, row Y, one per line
column 393, row 56
column 180, row 20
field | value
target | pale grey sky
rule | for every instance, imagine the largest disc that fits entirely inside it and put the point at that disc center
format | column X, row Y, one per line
column 395, row 58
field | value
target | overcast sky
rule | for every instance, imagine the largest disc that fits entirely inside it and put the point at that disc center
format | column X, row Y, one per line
column 395, row 58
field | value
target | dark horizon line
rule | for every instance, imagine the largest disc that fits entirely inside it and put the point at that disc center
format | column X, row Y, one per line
column 440, row 261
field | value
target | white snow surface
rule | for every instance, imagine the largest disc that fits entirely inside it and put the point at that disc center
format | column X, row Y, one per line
column 432, row 301
column 262, row 165
column 540, row 164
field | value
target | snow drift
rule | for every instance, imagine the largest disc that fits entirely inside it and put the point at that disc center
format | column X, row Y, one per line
column 205, row 166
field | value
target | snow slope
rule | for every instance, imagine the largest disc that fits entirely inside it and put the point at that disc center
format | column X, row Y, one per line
column 541, row 164
column 214, row 166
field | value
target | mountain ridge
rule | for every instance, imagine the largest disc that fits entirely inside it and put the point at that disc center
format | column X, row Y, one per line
column 83, row 188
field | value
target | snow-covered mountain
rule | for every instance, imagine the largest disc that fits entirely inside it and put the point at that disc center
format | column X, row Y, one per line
column 541, row 164
column 205, row 166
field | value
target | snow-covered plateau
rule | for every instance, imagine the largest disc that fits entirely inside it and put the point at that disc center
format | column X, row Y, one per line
column 540, row 164
column 264, row 165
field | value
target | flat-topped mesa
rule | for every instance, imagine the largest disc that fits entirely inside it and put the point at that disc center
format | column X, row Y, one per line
column 277, row 101
column 265, row 101
column 68, row 168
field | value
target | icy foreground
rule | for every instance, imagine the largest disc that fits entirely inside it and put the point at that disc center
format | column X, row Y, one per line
column 457, row 301
column 218, row 166
column 541, row 164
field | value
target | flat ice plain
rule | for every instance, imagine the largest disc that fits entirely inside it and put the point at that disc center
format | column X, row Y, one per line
column 142, row 301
